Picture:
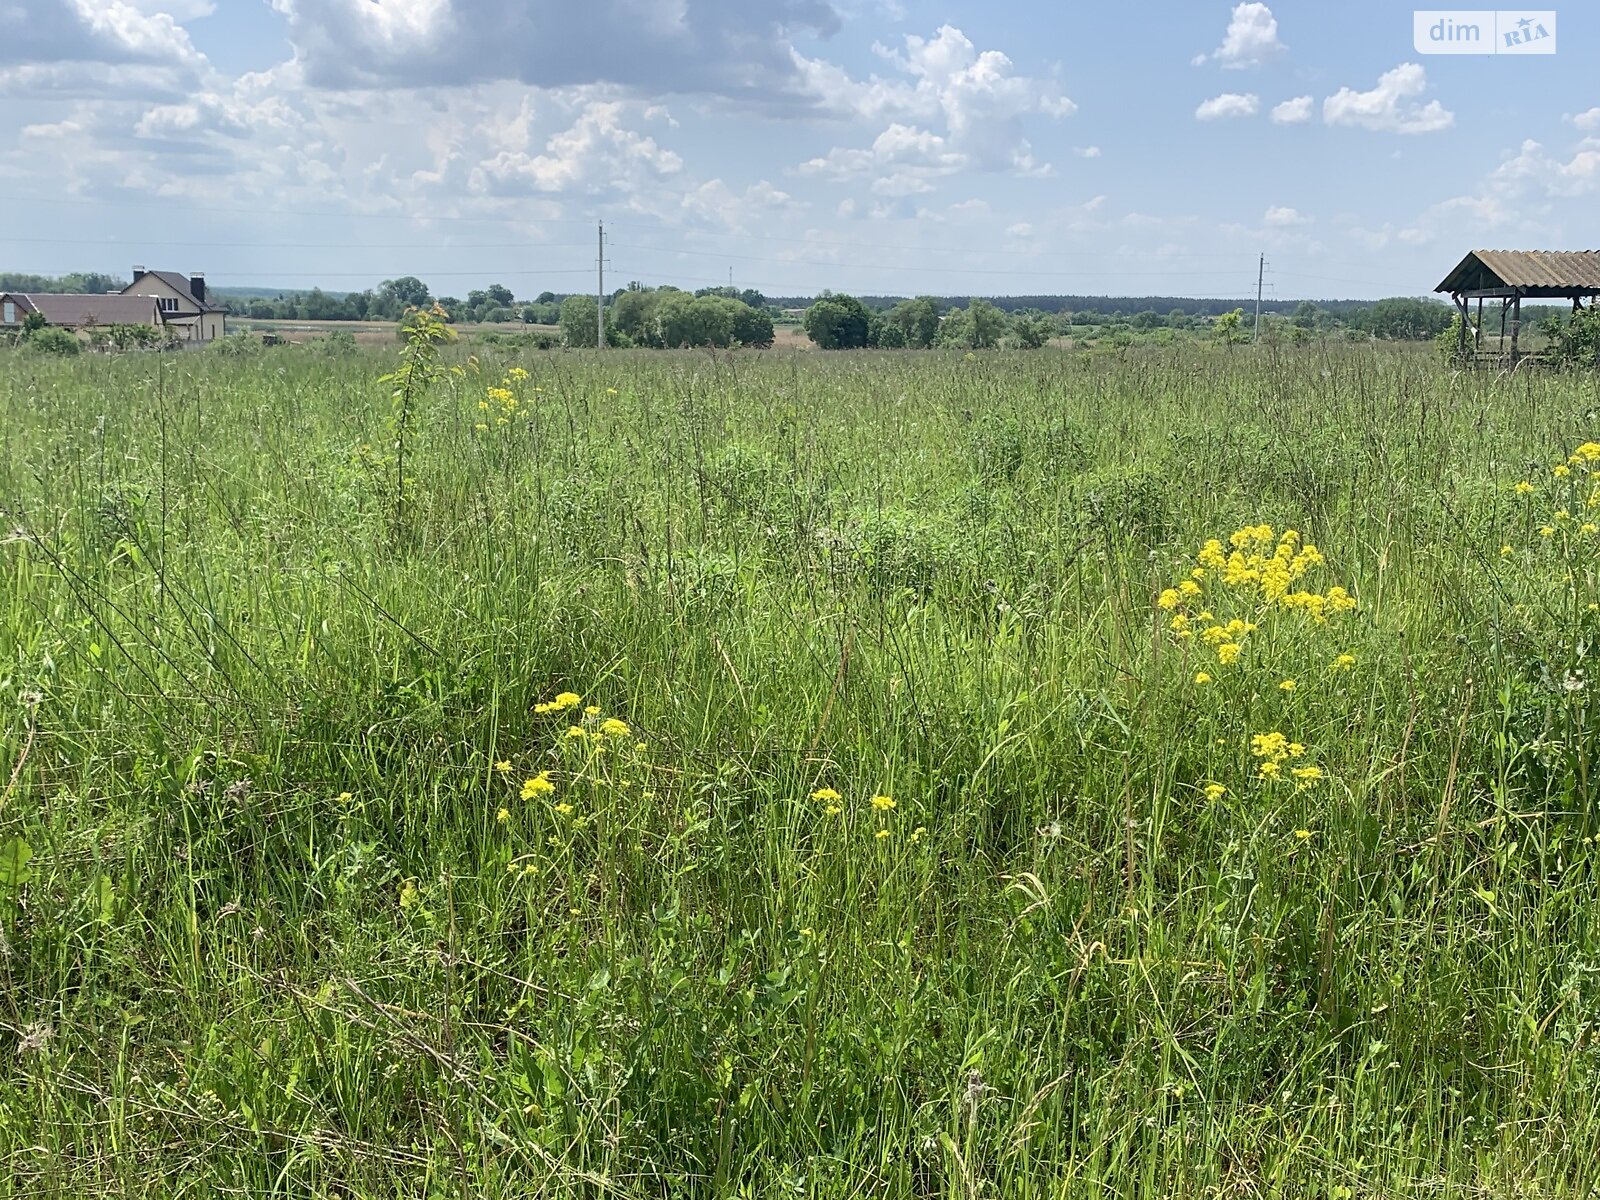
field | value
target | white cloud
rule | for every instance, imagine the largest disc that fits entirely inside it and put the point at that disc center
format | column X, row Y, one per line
column 954, row 108
column 1281, row 217
column 1229, row 104
column 178, row 10
column 92, row 31
column 1389, row 107
column 1543, row 172
column 1589, row 121
column 1251, row 39
column 1292, row 112
column 1087, row 151
column 596, row 153
column 709, row 47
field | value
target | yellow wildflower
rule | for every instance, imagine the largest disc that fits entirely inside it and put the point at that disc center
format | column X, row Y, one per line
column 1169, row 599
column 503, row 815
column 1302, row 834
column 883, row 803
column 1523, row 488
column 539, row 785
column 826, row 794
column 1201, row 677
column 1228, row 653
column 1561, row 470
column 1344, row 662
column 1215, row 792
column 612, row 727
column 1287, row 685
column 881, row 834
column 564, row 809
column 575, row 732
column 504, row 766
column 593, row 710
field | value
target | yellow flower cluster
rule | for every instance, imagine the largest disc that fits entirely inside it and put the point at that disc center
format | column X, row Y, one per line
column 1259, row 570
column 1275, row 752
column 502, row 402
column 561, row 703
column 1586, row 459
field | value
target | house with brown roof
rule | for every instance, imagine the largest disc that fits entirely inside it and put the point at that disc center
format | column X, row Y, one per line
column 175, row 304
column 78, row 312
column 187, row 313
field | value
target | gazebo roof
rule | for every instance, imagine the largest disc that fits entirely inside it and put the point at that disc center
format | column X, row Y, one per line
column 1532, row 272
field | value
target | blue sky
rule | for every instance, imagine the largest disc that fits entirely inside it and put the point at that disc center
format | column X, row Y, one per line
column 883, row 146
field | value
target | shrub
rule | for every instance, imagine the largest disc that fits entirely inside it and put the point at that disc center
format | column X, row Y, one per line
column 54, row 340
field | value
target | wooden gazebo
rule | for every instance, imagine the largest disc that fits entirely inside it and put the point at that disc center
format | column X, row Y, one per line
column 1510, row 275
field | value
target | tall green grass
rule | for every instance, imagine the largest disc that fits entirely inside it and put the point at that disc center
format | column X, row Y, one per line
column 278, row 922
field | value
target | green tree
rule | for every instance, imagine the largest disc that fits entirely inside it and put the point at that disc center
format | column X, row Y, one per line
column 1030, row 331
column 915, row 322
column 578, row 317
column 1228, row 326
column 838, row 323
column 988, row 324
column 752, row 326
column 1405, row 318
column 397, row 295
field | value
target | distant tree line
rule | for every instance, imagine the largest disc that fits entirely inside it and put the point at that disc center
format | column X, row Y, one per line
column 667, row 317
column 78, row 283
column 840, row 322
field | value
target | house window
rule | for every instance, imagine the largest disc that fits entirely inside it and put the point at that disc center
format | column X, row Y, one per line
column 11, row 312
column 169, row 304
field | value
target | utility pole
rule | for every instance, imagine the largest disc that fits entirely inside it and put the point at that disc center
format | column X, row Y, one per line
column 600, row 290
column 1261, row 273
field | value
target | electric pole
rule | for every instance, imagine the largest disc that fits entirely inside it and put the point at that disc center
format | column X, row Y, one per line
column 600, row 290
column 1261, row 273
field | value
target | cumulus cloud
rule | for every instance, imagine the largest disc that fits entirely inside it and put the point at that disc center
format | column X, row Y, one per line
column 1542, row 171
column 1251, row 39
column 953, row 107
column 1588, row 121
column 1229, row 104
column 597, row 152
column 1390, row 107
column 1282, row 217
column 91, row 31
column 712, row 47
column 1292, row 112
column 1087, row 151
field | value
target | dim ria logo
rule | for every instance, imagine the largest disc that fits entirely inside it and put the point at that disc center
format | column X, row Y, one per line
column 1483, row 31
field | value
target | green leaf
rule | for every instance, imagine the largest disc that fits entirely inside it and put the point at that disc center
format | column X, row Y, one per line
column 14, row 856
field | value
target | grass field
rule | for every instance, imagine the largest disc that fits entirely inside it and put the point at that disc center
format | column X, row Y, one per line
column 799, row 774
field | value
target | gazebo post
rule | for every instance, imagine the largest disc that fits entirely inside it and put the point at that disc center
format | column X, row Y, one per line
column 1516, row 323
column 1477, row 330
